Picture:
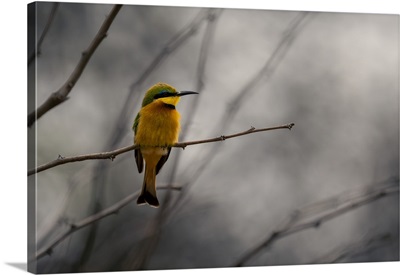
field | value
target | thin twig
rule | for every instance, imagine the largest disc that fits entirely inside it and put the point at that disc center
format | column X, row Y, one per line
column 37, row 50
column 315, row 222
column 61, row 95
column 365, row 245
column 113, row 209
column 270, row 65
column 59, row 217
column 112, row 154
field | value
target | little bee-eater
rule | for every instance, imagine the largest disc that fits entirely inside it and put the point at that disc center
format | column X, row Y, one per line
column 156, row 129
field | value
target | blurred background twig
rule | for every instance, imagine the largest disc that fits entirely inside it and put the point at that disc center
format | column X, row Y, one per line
column 317, row 214
column 38, row 48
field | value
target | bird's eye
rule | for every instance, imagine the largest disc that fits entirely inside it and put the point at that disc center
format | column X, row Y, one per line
column 162, row 93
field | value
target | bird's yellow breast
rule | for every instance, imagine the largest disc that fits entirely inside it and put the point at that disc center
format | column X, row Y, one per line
column 158, row 125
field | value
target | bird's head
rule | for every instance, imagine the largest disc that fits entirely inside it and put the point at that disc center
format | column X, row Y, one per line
column 165, row 93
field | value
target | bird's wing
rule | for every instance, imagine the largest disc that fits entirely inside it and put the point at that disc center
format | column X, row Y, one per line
column 136, row 123
column 139, row 160
column 138, row 154
column 162, row 160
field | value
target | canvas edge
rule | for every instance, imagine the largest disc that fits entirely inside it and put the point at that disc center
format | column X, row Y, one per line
column 31, row 105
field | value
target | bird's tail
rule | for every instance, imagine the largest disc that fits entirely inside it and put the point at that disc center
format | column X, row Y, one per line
column 148, row 194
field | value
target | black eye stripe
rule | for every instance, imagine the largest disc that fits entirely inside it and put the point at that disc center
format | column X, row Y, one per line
column 163, row 93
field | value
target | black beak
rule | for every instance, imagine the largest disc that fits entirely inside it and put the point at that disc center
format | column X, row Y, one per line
column 186, row 93
column 169, row 94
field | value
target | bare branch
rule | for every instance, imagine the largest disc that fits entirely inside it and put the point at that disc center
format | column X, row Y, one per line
column 222, row 138
column 37, row 50
column 112, row 154
column 113, row 209
column 300, row 221
column 62, row 160
column 61, row 95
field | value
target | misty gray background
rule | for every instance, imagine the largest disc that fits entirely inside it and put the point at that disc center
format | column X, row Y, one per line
column 338, row 83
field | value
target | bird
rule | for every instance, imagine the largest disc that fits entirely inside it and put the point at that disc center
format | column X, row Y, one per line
column 156, row 128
